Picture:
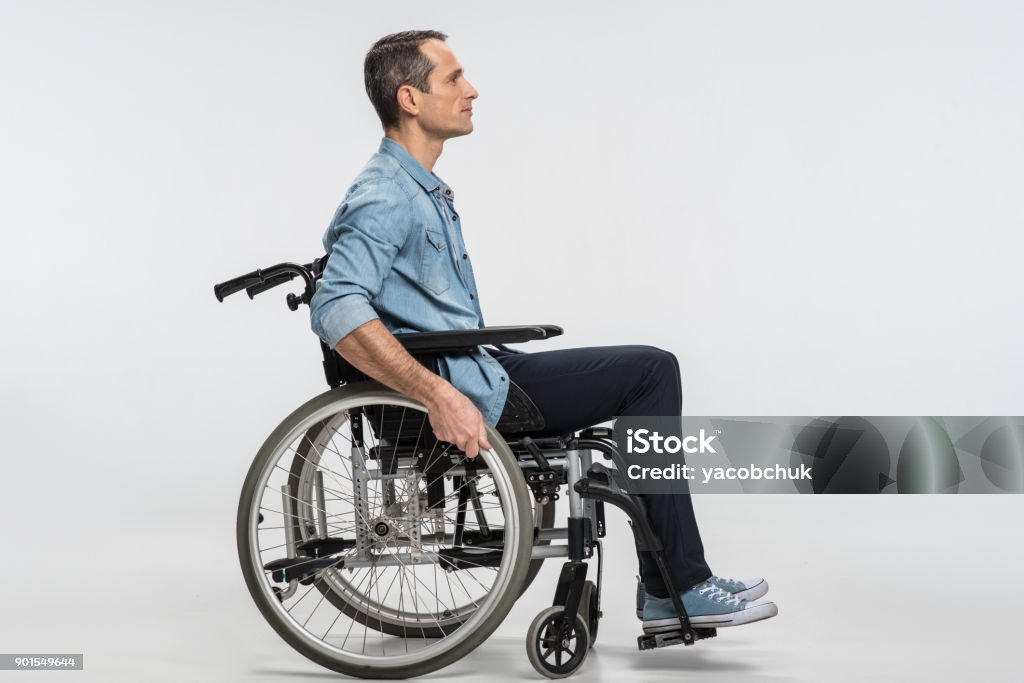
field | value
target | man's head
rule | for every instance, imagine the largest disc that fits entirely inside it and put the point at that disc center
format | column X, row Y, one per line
column 414, row 79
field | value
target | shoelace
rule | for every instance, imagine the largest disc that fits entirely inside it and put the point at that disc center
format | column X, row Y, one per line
column 713, row 592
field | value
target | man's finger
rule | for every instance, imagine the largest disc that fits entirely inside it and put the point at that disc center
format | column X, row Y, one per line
column 483, row 436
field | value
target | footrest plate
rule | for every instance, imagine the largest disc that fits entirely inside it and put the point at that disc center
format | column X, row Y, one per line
column 651, row 641
column 297, row 568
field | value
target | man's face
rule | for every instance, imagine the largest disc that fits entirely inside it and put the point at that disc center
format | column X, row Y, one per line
column 447, row 110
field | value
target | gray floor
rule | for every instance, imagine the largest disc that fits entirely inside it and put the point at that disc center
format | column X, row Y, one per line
column 869, row 588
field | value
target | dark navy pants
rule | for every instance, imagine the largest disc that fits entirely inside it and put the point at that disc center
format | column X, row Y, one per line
column 579, row 388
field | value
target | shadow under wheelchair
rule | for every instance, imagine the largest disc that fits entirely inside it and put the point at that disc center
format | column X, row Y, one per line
column 378, row 551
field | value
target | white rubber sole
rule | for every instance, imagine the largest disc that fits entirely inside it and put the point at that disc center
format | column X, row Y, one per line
column 752, row 613
column 754, row 592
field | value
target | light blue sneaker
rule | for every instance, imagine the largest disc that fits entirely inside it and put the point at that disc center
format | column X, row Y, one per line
column 747, row 589
column 708, row 606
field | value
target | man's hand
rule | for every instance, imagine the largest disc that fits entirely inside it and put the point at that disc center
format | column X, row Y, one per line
column 456, row 420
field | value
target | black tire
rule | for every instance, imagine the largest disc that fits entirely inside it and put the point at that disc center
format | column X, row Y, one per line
column 545, row 649
column 591, row 609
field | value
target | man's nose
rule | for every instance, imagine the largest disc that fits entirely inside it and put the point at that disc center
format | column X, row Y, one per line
column 472, row 94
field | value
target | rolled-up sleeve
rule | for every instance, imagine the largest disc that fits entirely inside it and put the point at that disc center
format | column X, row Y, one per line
column 368, row 230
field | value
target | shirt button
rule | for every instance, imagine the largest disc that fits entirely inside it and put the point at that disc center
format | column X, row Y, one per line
column 471, row 296
column 465, row 256
column 455, row 217
column 502, row 379
column 448, row 192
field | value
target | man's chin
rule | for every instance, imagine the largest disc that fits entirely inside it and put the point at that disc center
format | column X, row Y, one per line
column 455, row 132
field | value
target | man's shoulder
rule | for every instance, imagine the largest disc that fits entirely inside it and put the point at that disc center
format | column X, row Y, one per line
column 383, row 177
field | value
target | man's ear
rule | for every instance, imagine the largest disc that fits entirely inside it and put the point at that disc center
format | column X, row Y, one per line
column 407, row 100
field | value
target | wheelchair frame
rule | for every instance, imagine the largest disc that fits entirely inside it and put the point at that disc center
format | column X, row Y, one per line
column 569, row 627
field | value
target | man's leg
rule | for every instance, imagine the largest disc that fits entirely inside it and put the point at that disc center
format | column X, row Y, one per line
column 578, row 388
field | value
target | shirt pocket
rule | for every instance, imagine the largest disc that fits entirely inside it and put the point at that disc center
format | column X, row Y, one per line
column 434, row 268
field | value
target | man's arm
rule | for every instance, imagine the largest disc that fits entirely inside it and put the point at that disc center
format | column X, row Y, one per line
column 368, row 230
column 374, row 350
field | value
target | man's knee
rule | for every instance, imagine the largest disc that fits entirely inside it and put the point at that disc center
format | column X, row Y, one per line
column 665, row 368
column 664, row 362
column 664, row 356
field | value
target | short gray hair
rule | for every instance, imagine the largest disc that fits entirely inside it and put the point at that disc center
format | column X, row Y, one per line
column 393, row 61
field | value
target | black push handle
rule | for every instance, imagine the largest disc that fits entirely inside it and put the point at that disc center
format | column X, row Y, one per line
column 236, row 284
column 262, row 279
column 269, row 283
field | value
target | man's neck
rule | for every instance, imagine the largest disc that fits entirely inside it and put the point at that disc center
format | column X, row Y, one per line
column 423, row 149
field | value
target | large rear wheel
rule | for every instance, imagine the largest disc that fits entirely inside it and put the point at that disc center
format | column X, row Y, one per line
column 372, row 548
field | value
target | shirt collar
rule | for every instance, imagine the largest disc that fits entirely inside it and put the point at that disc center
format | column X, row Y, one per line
column 428, row 180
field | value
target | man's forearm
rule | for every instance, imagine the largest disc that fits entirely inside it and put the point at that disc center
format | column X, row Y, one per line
column 374, row 350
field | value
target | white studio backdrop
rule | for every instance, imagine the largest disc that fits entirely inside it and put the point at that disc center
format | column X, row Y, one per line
column 816, row 206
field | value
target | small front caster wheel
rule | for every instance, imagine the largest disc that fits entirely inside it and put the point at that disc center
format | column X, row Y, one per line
column 555, row 647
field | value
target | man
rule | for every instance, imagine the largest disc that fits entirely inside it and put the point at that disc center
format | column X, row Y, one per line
column 398, row 263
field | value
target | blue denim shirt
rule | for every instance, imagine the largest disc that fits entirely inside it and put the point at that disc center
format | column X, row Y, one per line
column 397, row 254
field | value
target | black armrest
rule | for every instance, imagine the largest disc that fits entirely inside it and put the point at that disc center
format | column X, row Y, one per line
column 462, row 340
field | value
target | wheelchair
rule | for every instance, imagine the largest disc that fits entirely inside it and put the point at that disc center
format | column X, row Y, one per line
column 377, row 551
